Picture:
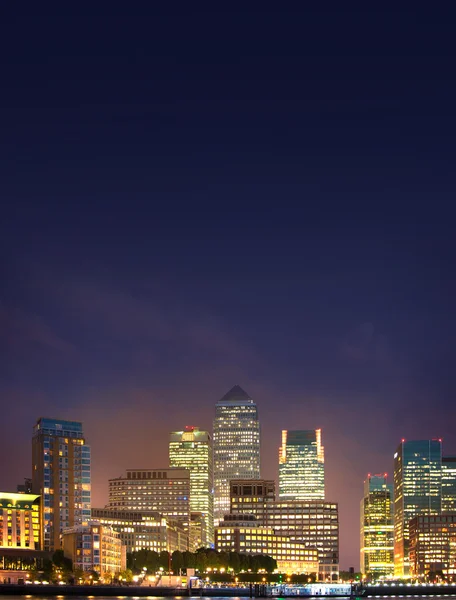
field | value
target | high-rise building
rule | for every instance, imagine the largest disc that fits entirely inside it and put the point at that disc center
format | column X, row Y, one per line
column 192, row 449
column 417, row 491
column 166, row 491
column 315, row 523
column 377, row 528
column 61, row 476
column 449, row 484
column 302, row 466
column 236, row 445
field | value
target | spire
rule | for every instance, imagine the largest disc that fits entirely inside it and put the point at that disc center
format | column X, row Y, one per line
column 235, row 394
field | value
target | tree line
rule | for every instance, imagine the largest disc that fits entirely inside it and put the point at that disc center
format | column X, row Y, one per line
column 204, row 560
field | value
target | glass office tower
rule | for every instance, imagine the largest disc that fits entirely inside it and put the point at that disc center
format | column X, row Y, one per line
column 61, row 476
column 301, row 466
column 449, row 484
column 377, row 528
column 192, row 449
column 417, row 491
column 236, row 446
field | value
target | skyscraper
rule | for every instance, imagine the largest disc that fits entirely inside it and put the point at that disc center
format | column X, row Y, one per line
column 61, row 475
column 417, row 491
column 377, row 528
column 301, row 466
column 449, row 484
column 236, row 446
column 192, row 449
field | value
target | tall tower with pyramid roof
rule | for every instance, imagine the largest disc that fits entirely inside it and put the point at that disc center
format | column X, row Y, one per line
column 236, row 445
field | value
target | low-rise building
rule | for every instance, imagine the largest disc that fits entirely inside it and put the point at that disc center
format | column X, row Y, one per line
column 19, row 520
column 95, row 547
column 20, row 536
column 241, row 533
column 166, row 491
column 140, row 530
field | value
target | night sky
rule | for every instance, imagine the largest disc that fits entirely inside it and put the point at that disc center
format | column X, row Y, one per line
column 196, row 195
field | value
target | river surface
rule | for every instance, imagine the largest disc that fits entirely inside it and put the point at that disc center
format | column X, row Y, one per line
column 50, row 597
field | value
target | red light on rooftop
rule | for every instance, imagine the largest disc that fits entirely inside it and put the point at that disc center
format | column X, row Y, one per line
column 385, row 475
column 403, row 440
column 190, row 428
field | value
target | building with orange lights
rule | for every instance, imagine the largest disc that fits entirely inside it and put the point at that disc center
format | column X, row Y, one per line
column 301, row 466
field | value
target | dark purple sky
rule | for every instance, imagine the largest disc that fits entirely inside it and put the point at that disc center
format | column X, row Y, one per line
column 194, row 197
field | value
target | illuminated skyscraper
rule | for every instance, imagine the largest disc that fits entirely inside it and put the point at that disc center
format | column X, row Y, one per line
column 301, row 466
column 192, row 449
column 449, row 484
column 236, row 446
column 377, row 527
column 61, row 476
column 417, row 491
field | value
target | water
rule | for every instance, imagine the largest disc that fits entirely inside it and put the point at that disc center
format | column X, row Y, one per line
column 125, row 597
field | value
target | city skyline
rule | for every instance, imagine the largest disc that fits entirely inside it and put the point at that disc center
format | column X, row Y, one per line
column 443, row 478
column 102, row 485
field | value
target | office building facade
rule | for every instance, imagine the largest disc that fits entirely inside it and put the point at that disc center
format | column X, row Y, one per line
column 449, row 484
column 61, row 476
column 95, row 547
column 20, row 521
column 301, row 466
column 144, row 530
column 166, row 491
column 417, row 491
column 238, row 533
column 314, row 523
column 377, row 528
column 236, row 445
column 192, row 450
column 432, row 544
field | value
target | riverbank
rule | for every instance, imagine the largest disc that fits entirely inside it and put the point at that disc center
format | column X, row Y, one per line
column 116, row 591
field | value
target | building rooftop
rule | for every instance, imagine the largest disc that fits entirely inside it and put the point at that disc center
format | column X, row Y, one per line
column 236, row 394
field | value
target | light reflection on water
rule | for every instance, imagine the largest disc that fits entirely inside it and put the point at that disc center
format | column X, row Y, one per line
column 197, row 596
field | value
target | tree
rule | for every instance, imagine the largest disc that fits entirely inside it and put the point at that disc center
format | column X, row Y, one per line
column 62, row 564
column 201, row 562
column 153, row 561
column 127, row 575
column 234, row 562
column 189, row 559
column 177, row 561
column 164, row 560
column 212, row 558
